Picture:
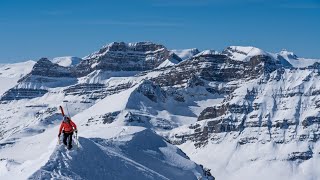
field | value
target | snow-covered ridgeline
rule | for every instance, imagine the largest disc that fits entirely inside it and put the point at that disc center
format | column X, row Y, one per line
column 239, row 112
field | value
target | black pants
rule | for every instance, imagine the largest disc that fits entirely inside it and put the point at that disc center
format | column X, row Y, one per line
column 67, row 137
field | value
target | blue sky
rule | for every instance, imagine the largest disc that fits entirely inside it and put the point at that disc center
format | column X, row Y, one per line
column 30, row 29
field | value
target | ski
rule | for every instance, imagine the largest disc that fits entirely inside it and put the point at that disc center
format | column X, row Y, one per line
column 61, row 109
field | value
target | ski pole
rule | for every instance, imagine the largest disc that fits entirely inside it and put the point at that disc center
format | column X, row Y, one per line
column 77, row 140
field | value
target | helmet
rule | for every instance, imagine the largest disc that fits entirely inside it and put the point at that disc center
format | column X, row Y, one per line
column 66, row 119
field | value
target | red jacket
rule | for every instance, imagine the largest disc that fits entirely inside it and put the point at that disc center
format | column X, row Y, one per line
column 68, row 127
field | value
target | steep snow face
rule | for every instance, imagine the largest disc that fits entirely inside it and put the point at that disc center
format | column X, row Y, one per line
column 168, row 63
column 294, row 60
column 243, row 53
column 67, row 61
column 185, row 54
column 11, row 73
column 270, row 120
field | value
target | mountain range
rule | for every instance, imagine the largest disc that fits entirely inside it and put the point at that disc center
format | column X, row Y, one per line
column 148, row 112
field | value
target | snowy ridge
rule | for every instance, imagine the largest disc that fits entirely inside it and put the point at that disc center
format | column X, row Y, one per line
column 115, row 150
column 96, row 152
column 286, row 58
column 243, row 53
column 168, row 63
column 207, row 52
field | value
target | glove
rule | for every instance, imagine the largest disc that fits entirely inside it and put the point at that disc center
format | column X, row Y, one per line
column 76, row 131
column 59, row 135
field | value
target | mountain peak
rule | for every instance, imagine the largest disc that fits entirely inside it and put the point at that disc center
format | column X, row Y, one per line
column 185, row 54
column 208, row 52
column 141, row 47
column 43, row 59
column 284, row 53
column 139, row 56
column 67, row 61
column 242, row 53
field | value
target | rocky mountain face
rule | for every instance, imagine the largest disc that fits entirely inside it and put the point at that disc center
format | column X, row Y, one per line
column 240, row 112
column 216, row 68
column 141, row 56
column 115, row 57
column 126, row 57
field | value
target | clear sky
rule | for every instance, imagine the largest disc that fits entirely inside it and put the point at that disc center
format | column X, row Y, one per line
column 30, row 29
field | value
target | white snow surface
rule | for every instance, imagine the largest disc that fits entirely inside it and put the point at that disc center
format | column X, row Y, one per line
column 120, row 150
column 168, row 63
column 207, row 52
column 122, row 136
column 11, row 73
column 244, row 53
column 265, row 155
column 230, row 161
column 295, row 61
column 185, row 54
column 66, row 61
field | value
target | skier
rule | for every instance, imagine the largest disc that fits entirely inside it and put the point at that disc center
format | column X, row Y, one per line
column 67, row 127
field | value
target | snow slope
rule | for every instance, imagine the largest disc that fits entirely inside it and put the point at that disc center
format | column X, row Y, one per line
column 207, row 52
column 185, row 54
column 229, row 160
column 269, row 130
column 295, row 61
column 168, row 63
column 107, row 151
column 11, row 73
column 244, row 113
column 243, row 53
column 66, row 61
column 286, row 58
column 99, row 158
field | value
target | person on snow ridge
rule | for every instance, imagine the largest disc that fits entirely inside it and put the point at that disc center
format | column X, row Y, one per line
column 67, row 127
